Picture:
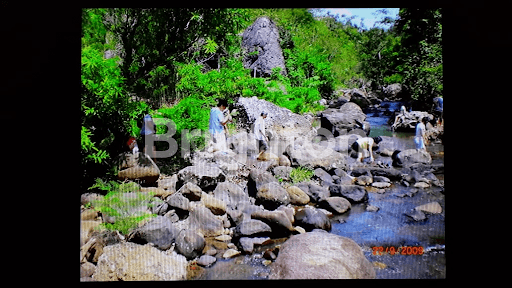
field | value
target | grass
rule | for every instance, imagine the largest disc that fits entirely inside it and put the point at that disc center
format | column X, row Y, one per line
column 301, row 174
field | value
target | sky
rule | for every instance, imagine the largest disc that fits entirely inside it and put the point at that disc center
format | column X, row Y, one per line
column 370, row 15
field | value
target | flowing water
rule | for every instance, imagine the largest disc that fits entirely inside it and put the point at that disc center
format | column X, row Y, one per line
column 388, row 227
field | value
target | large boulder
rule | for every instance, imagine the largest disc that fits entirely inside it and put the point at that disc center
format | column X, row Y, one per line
column 306, row 153
column 391, row 91
column 138, row 167
column 251, row 227
column 410, row 157
column 341, row 121
column 320, row 255
column 204, row 176
column 261, row 42
column 132, row 262
column 408, row 124
column 282, row 126
column 160, row 231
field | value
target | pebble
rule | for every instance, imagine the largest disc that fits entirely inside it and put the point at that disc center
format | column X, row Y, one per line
column 371, row 208
column 206, row 260
column 230, row 253
column 432, row 207
column 224, row 238
column 381, row 184
column 421, row 185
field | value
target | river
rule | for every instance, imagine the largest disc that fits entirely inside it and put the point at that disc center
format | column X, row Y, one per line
column 388, row 227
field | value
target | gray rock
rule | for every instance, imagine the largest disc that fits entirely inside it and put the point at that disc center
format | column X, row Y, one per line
column 284, row 161
column 381, row 179
column 189, row 244
column 336, row 204
column 204, row 176
column 282, row 172
column 206, row 260
column 272, row 195
column 247, row 243
column 313, row 155
column 251, row 227
column 191, row 191
column 310, row 218
column 416, row 215
column 131, row 262
column 348, row 117
column 324, row 176
column 262, row 37
column 354, row 193
column 319, row 255
column 364, row 180
column 203, row 220
column 409, row 157
column 277, row 220
column 138, row 167
column 297, row 195
column 230, row 193
column 160, row 231
column 177, row 200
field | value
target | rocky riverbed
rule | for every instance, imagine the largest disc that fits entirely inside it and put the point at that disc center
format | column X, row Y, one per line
column 231, row 216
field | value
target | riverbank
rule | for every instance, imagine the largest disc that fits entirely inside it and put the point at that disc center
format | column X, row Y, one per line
column 238, row 201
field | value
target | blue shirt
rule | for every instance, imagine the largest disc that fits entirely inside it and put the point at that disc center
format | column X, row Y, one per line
column 216, row 117
column 439, row 103
column 147, row 125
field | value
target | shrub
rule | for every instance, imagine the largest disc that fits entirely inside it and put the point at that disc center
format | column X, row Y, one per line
column 117, row 203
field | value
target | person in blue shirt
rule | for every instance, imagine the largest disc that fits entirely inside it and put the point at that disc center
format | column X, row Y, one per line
column 219, row 117
column 148, row 130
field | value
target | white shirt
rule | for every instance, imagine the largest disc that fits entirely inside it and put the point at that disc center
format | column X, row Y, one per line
column 259, row 128
column 420, row 130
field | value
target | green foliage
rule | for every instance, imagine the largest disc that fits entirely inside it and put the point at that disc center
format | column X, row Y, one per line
column 301, row 174
column 116, row 203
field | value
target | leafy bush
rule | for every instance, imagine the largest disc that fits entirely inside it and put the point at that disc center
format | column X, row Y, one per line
column 122, row 206
column 301, row 174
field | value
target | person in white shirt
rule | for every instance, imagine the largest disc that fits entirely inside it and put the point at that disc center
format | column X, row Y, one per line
column 365, row 143
column 259, row 133
column 420, row 138
column 400, row 116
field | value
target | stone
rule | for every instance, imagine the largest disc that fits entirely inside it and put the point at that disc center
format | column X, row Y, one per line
column 364, row 180
column 308, row 154
column 323, row 176
column 206, row 260
column 87, row 269
column 160, row 231
column 177, row 200
column 319, row 255
column 311, row 218
column 204, row 176
column 247, row 243
column 224, row 238
column 411, row 119
column 416, row 215
column 421, row 185
column 268, row 156
column 336, row 204
column 299, row 229
column 191, row 191
column 168, row 183
column 230, row 193
column 262, row 37
column 381, row 184
column 284, row 161
column 87, row 227
column 371, row 208
column 381, row 179
column 251, row 227
column 432, row 207
column 138, row 167
column 315, row 192
column 132, row 262
column 230, row 253
column 189, row 244
column 203, row 221
column 410, row 157
column 282, row 172
column 277, row 220
column 297, row 196
column 340, row 121
column 272, row 195
column 353, row 193
column 258, row 178
column 217, row 206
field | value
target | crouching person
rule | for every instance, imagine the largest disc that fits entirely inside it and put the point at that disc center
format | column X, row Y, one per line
column 365, row 143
